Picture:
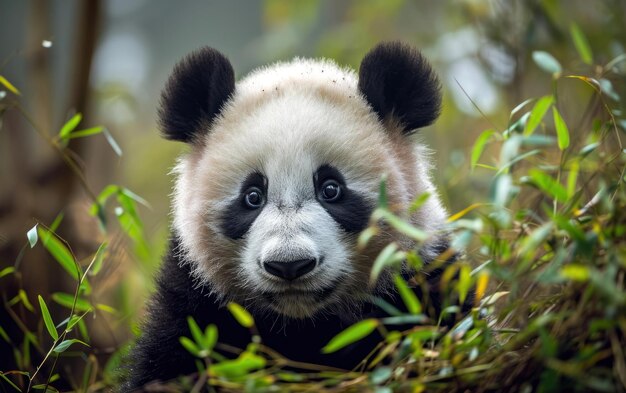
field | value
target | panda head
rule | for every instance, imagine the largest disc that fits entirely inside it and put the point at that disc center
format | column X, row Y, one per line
column 284, row 171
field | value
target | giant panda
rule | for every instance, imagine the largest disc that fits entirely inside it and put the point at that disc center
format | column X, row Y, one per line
column 282, row 174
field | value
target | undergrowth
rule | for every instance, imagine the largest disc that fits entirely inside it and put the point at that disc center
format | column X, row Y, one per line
column 544, row 257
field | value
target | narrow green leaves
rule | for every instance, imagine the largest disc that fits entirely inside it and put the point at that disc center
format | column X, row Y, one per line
column 562, row 133
column 537, row 113
column 241, row 315
column 408, row 296
column 547, row 62
column 47, row 319
column 350, row 335
column 581, row 43
column 60, row 252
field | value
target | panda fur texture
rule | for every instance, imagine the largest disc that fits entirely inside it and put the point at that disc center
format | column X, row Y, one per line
column 282, row 174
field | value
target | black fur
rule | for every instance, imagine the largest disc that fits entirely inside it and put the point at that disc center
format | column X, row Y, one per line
column 158, row 354
column 194, row 94
column 397, row 81
column 238, row 218
column 351, row 211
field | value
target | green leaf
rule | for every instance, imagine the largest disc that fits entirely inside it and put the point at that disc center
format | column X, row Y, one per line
column 384, row 259
column 190, row 346
column 572, row 178
column 548, row 185
column 8, row 85
column 465, row 282
column 537, row 113
column 241, row 315
column 240, row 367
column 562, row 133
column 405, row 319
column 32, row 236
column 350, row 335
column 366, row 235
column 575, row 272
column 210, row 336
column 196, row 333
column 418, row 202
column 96, row 263
column 479, row 146
column 5, row 378
column 65, row 344
column 21, row 294
column 547, row 62
column 86, row 132
column 581, row 44
column 408, row 296
column 70, row 125
column 67, row 300
column 6, row 271
column 400, row 225
column 47, row 319
column 60, row 252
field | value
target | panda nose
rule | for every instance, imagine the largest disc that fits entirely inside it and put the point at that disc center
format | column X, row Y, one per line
column 290, row 270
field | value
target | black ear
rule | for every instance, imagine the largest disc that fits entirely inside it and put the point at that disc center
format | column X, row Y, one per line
column 397, row 81
column 194, row 93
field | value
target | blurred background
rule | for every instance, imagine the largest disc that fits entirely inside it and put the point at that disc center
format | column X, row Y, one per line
column 108, row 60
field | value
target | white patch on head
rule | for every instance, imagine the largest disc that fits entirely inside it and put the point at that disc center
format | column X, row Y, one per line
column 285, row 121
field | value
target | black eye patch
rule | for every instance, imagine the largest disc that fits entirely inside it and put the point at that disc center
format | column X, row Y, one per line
column 350, row 210
column 238, row 216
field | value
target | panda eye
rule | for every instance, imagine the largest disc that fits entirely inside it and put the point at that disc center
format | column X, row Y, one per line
column 330, row 191
column 253, row 198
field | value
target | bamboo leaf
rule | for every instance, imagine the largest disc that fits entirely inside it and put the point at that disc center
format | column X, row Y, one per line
column 70, row 125
column 32, row 236
column 47, row 319
column 60, row 252
column 548, row 185
column 9, row 85
column 537, row 113
column 67, row 300
column 581, row 43
column 408, row 296
column 241, row 315
column 547, row 62
column 85, row 132
column 190, row 346
column 196, row 333
column 116, row 148
column 562, row 133
column 350, row 335
column 479, row 146
column 65, row 344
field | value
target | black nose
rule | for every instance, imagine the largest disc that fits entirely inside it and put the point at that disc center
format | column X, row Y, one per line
column 290, row 270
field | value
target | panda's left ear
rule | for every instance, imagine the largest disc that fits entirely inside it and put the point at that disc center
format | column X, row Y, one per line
column 398, row 82
column 195, row 93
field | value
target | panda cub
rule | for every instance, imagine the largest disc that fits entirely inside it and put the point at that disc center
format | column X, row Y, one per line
column 283, row 172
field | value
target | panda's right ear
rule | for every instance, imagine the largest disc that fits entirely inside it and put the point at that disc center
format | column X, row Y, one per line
column 194, row 94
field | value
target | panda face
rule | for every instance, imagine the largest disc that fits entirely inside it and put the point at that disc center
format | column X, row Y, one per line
column 284, row 172
column 289, row 189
